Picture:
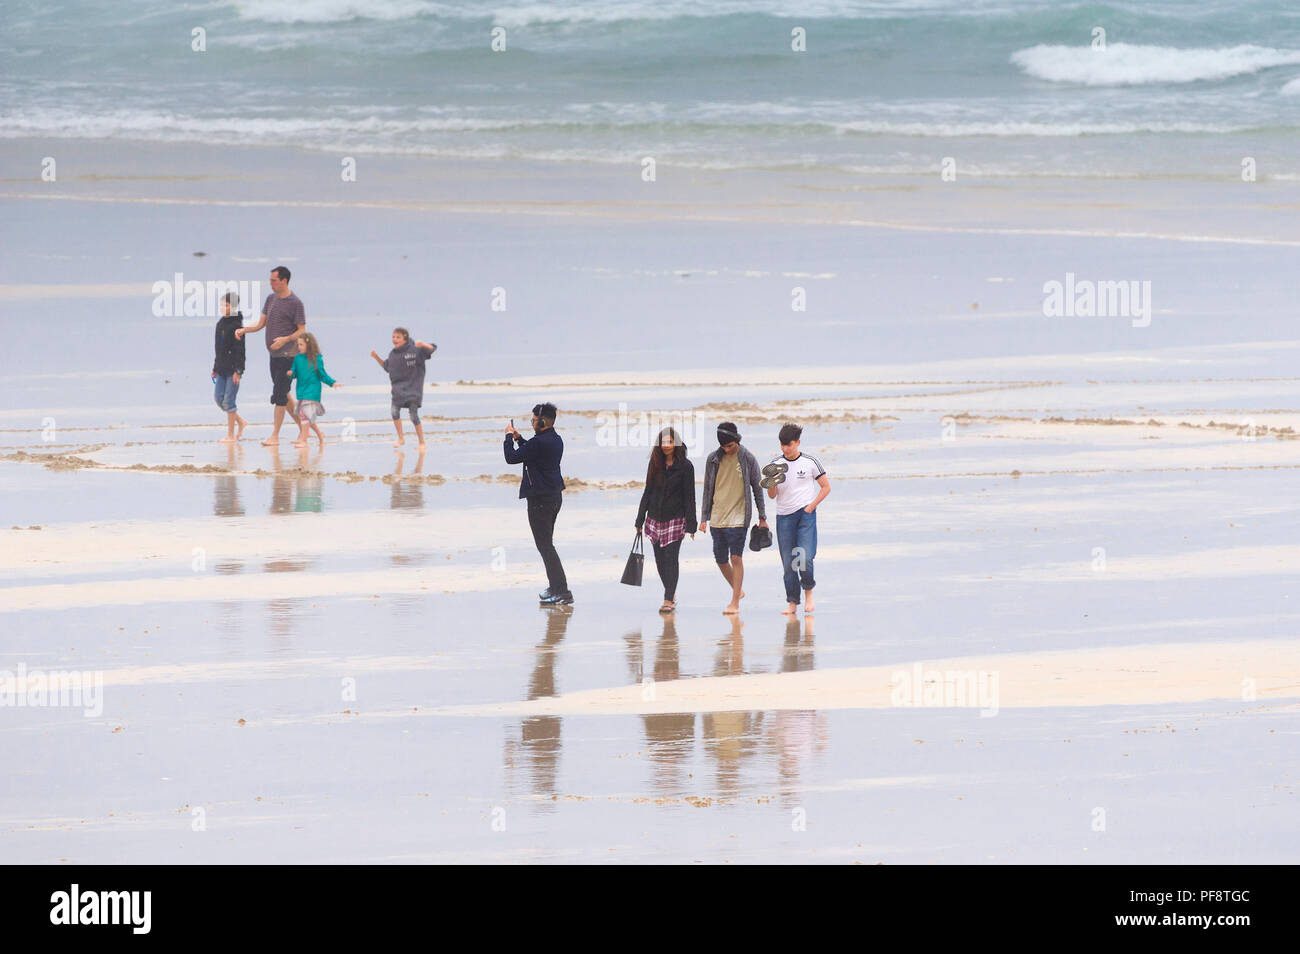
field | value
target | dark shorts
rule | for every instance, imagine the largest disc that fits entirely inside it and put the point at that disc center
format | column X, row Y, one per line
column 412, row 409
column 727, row 542
column 280, row 380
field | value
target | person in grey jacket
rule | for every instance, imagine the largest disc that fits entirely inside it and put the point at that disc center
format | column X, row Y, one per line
column 729, row 472
column 405, row 367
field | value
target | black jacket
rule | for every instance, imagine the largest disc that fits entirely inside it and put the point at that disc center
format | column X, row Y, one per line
column 229, row 349
column 671, row 496
column 540, row 455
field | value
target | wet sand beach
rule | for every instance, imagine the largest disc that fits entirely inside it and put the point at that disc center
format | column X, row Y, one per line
column 1054, row 571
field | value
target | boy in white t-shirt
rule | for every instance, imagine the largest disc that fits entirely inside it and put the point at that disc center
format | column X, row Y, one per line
column 798, row 483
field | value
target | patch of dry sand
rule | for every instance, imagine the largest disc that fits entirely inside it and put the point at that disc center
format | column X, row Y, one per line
column 1107, row 676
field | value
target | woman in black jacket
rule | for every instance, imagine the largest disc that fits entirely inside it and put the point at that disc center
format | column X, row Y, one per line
column 668, row 508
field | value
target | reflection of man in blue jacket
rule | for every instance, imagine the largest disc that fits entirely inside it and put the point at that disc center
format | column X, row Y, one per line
column 543, row 488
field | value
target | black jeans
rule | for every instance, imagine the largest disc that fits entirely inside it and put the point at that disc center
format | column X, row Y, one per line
column 542, row 511
column 666, row 564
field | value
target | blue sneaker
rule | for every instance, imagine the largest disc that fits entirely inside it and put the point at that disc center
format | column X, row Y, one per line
column 559, row 599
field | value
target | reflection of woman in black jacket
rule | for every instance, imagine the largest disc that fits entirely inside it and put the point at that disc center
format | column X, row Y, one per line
column 668, row 508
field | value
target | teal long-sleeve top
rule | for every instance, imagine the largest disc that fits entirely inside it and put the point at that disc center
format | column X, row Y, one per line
column 308, row 378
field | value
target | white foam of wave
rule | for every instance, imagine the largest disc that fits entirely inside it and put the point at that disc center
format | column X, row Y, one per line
column 163, row 126
column 953, row 130
column 334, row 11
column 605, row 12
column 1292, row 88
column 1127, row 64
column 598, row 11
column 366, row 132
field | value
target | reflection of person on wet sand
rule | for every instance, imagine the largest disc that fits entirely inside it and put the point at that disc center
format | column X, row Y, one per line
column 284, row 484
column 407, row 494
column 670, row 735
column 308, row 496
column 539, row 736
column 796, row 734
column 225, row 496
column 730, row 737
column 798, row 655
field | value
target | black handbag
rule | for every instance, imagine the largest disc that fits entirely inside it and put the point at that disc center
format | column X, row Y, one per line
column 760, row 538
column 635, row 563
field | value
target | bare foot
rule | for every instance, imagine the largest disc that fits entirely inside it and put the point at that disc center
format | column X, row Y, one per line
column 299, row 443
column 790, row 609
column 239, row 433
column 731, row 610
column 808, row 607
column 422, row 447
column 399, row 442
column 226, row 440
column 271, row 441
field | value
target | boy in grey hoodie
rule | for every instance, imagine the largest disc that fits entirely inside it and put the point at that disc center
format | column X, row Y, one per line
column 405, row 367
column 729, row 472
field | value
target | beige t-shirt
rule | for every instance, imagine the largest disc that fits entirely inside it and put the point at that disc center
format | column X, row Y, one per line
column 729, row 493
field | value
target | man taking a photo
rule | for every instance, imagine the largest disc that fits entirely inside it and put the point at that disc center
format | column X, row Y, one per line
column 543, row 488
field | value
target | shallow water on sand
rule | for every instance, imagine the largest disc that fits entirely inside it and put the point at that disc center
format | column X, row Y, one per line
column 335, row 654
column 322, row 682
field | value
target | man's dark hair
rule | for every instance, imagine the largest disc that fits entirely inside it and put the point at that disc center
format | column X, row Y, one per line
column 281, row 272
column 232, row 298
column 728, row 432
column 790, row 433
column 545, row 413
column 403, row 332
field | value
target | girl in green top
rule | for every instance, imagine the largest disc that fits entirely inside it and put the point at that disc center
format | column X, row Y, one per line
column 308, row 371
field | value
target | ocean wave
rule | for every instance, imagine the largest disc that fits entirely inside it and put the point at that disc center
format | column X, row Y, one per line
column 606, row 12
column 1126, row 64
column 1024, row 129
column 161, row 125
column 648, row 123
column 336, row 11
column 602, row 11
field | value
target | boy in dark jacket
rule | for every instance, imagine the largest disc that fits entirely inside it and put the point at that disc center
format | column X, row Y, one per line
column 543, row 488
column 405, row 367
column 228, row 366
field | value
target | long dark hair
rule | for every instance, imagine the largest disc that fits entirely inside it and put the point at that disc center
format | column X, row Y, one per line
column 659, row 460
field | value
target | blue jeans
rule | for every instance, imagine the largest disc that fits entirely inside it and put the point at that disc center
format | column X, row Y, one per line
column 797, row 532
column 224, row 393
